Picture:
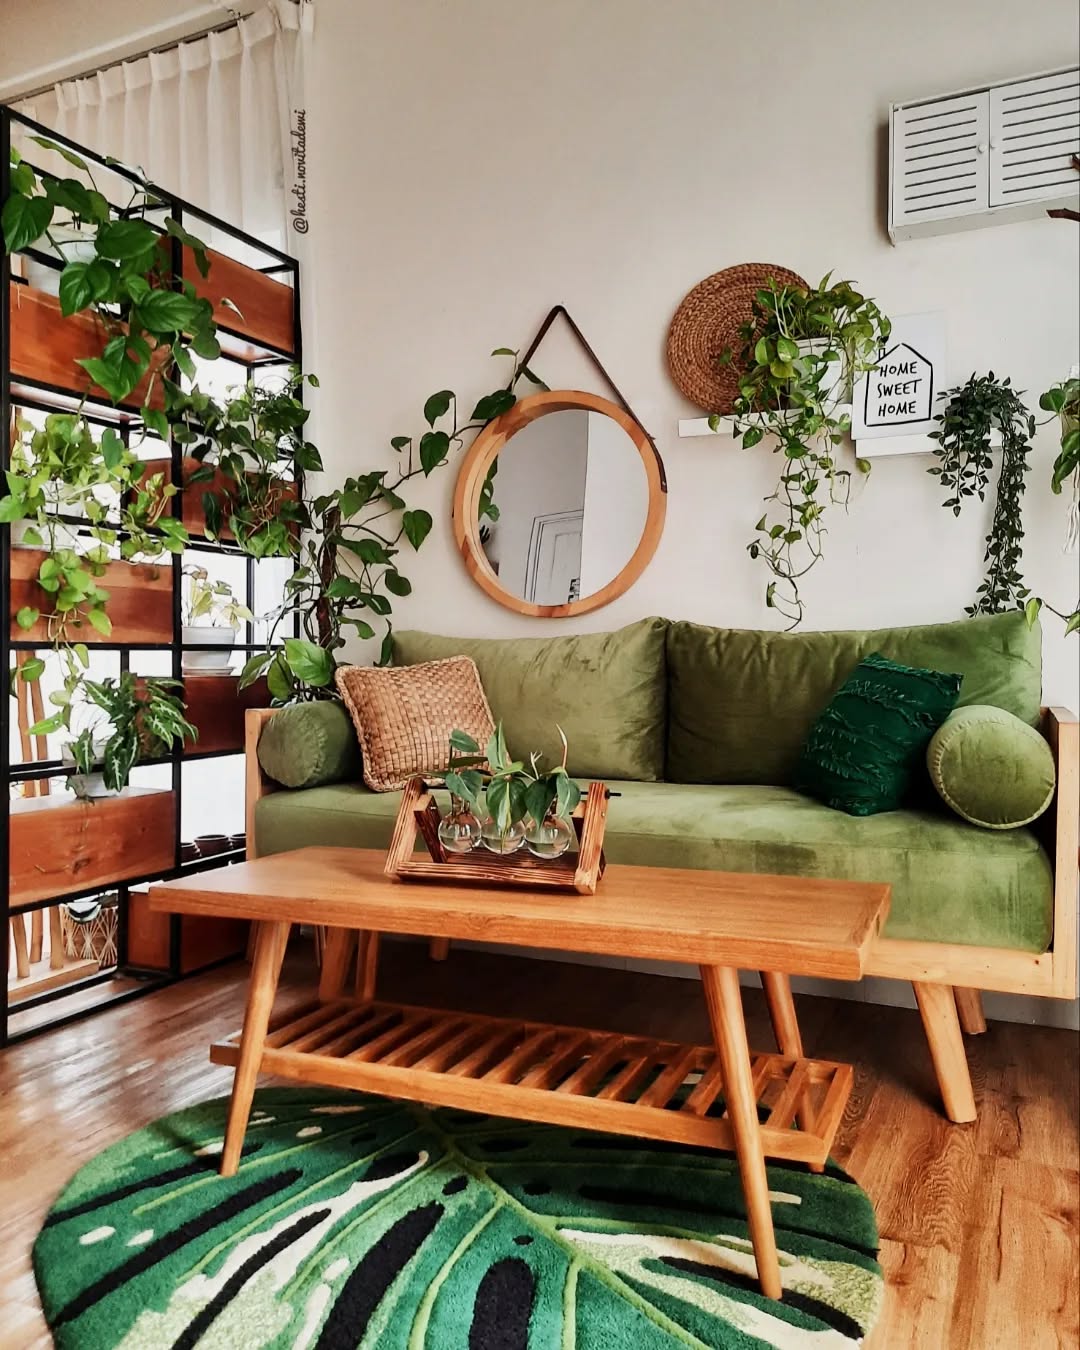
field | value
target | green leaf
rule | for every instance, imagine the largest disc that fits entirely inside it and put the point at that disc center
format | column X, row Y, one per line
column 72, row 158
column 310, row 663
column 437, row 406
column 434, row 447
column 493, row 405
column 1072, row 624
column 254, row 669
column 24, row 220
column 278, row 679
column 47, row 725
column 76, row 288
column 400, row 442
column 33, row 668
column 367, row 550
column 863, row 465
column 417, row 526
column 751, row 437
column 1031, row 611
column 27, row 617
column 786, row 349
column 127, row 241
column 396, row 584
column 386, row 651
column 100, row 620
column 504, row 351
column 761, row 352
column 461, row 740
column 163, row 311
column 11, row 508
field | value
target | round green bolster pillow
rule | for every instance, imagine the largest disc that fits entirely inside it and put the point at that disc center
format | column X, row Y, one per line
column 991, row 768
column 310, row 744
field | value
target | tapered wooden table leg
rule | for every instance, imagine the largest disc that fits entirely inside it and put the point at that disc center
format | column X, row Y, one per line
column 367, row 961
column 785, row 1025
column 937, row 1007
column 338, row 947
column 723, row 999
column 271, row 938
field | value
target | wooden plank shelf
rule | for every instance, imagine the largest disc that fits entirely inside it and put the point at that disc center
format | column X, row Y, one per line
column 559, row 1075
column 216, row 707
column 45, row 346
column 266, row 306
column 193, row 513
column 140, row 600
column 60, row 844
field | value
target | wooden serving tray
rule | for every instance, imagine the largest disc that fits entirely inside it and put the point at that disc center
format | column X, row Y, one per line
column 575, row 871
column 559, row 1075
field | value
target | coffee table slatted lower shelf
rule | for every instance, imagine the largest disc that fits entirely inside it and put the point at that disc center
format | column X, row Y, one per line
column 560, row 1075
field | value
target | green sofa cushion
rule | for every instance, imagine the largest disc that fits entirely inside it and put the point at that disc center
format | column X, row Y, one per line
column 606, row 691
column 308, row 744
column 991, row 768
column 862, row 752
column 740, row 702
column 951, row 882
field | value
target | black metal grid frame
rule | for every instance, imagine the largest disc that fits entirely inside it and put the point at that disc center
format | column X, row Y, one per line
column 50, row 398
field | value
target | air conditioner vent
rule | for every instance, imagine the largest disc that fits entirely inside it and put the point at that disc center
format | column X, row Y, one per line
column 1002, row 153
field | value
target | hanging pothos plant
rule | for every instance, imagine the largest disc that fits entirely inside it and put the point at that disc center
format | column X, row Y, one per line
column 802, row 350
column 1063, row 400
column 971, row 413
column 350, row 570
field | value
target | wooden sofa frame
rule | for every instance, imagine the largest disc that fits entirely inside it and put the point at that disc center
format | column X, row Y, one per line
column 948, row 978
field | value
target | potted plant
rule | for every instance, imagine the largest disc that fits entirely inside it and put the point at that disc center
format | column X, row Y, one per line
column 802, row 350
column 983, row 405
column 125, row 717
column 517, row 804
column 212, row 615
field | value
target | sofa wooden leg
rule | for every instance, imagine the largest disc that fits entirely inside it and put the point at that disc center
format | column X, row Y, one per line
column 970, row 1011
column 439, row 948
column 938, row 1009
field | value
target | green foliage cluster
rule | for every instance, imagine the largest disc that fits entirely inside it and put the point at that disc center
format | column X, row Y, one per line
column 509, row 790
column 802, row 349
column 144, row 716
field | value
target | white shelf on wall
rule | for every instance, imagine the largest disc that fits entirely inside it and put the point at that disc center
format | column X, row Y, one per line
column 870, row 447
column 699, row 426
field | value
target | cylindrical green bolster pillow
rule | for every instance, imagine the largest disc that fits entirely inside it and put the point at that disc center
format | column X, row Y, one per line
column 991, row 768
column 309, row 744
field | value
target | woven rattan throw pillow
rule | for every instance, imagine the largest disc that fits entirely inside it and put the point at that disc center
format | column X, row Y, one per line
column 404, row 716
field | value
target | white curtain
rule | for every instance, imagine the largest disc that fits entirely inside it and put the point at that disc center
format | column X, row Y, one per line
column 217, row 119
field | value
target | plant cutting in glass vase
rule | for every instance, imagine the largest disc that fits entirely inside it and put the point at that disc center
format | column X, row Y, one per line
column 515, row 803
column 802, row 350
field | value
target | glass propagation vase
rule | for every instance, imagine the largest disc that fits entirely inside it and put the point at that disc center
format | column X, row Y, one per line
column 459, row 829
column 550, row 837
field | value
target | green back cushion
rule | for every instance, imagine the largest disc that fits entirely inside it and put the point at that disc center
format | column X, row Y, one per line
column 862, row 752
column 991, row 768
column 309, row 744
column 741, row 703
column 606, row 691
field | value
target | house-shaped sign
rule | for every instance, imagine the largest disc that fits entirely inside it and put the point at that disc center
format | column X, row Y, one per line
column 897, row 398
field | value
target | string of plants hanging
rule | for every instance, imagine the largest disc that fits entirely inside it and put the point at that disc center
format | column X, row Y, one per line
column 803, row 348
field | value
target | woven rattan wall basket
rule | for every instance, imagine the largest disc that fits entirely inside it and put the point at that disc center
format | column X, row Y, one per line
column 707, row 322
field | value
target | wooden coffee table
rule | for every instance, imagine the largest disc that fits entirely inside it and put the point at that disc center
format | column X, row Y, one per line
column 722, row 922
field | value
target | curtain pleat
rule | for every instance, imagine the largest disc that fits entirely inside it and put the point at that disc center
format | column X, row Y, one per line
column 208, row 119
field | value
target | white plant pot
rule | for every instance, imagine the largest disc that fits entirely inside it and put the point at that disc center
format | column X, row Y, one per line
column 207, row 663
column 88, row 784
column 834, row 383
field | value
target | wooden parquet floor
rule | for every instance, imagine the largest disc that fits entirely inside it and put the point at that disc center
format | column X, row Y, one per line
column 979, row 1222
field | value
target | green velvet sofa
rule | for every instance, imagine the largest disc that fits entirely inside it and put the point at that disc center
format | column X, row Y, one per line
column 698, row 730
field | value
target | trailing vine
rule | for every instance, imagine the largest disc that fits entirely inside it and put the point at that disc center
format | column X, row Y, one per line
column 971, row 413
column 802, row 350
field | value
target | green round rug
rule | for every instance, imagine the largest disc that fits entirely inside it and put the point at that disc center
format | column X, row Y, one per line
column 360, row 1222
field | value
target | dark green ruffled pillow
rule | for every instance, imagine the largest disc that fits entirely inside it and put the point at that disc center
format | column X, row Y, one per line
column 863, row 753
column 310, row 744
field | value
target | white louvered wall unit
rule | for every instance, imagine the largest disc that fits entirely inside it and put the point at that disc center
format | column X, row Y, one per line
column 985, row 156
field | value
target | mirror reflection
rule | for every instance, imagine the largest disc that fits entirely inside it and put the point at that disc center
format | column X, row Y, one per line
column 564, row 507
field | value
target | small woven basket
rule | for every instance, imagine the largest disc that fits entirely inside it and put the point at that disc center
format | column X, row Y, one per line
column 707, row 322
column 92, row 939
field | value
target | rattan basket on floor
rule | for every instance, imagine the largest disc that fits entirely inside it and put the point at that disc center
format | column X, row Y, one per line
column 95, row 938
column 707, row 322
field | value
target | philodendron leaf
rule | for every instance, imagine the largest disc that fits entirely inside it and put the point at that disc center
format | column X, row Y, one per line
column 437, row 406
column 417, row 526
column 461, row 740
column 309, row 662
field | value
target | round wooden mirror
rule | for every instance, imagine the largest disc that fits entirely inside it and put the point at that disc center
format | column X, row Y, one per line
column 559, row 504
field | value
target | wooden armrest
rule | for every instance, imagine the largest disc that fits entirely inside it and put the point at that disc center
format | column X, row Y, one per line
column 1062, row 730
column 256, row 783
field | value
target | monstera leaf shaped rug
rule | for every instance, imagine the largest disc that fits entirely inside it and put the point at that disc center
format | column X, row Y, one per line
column 359, row 1222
